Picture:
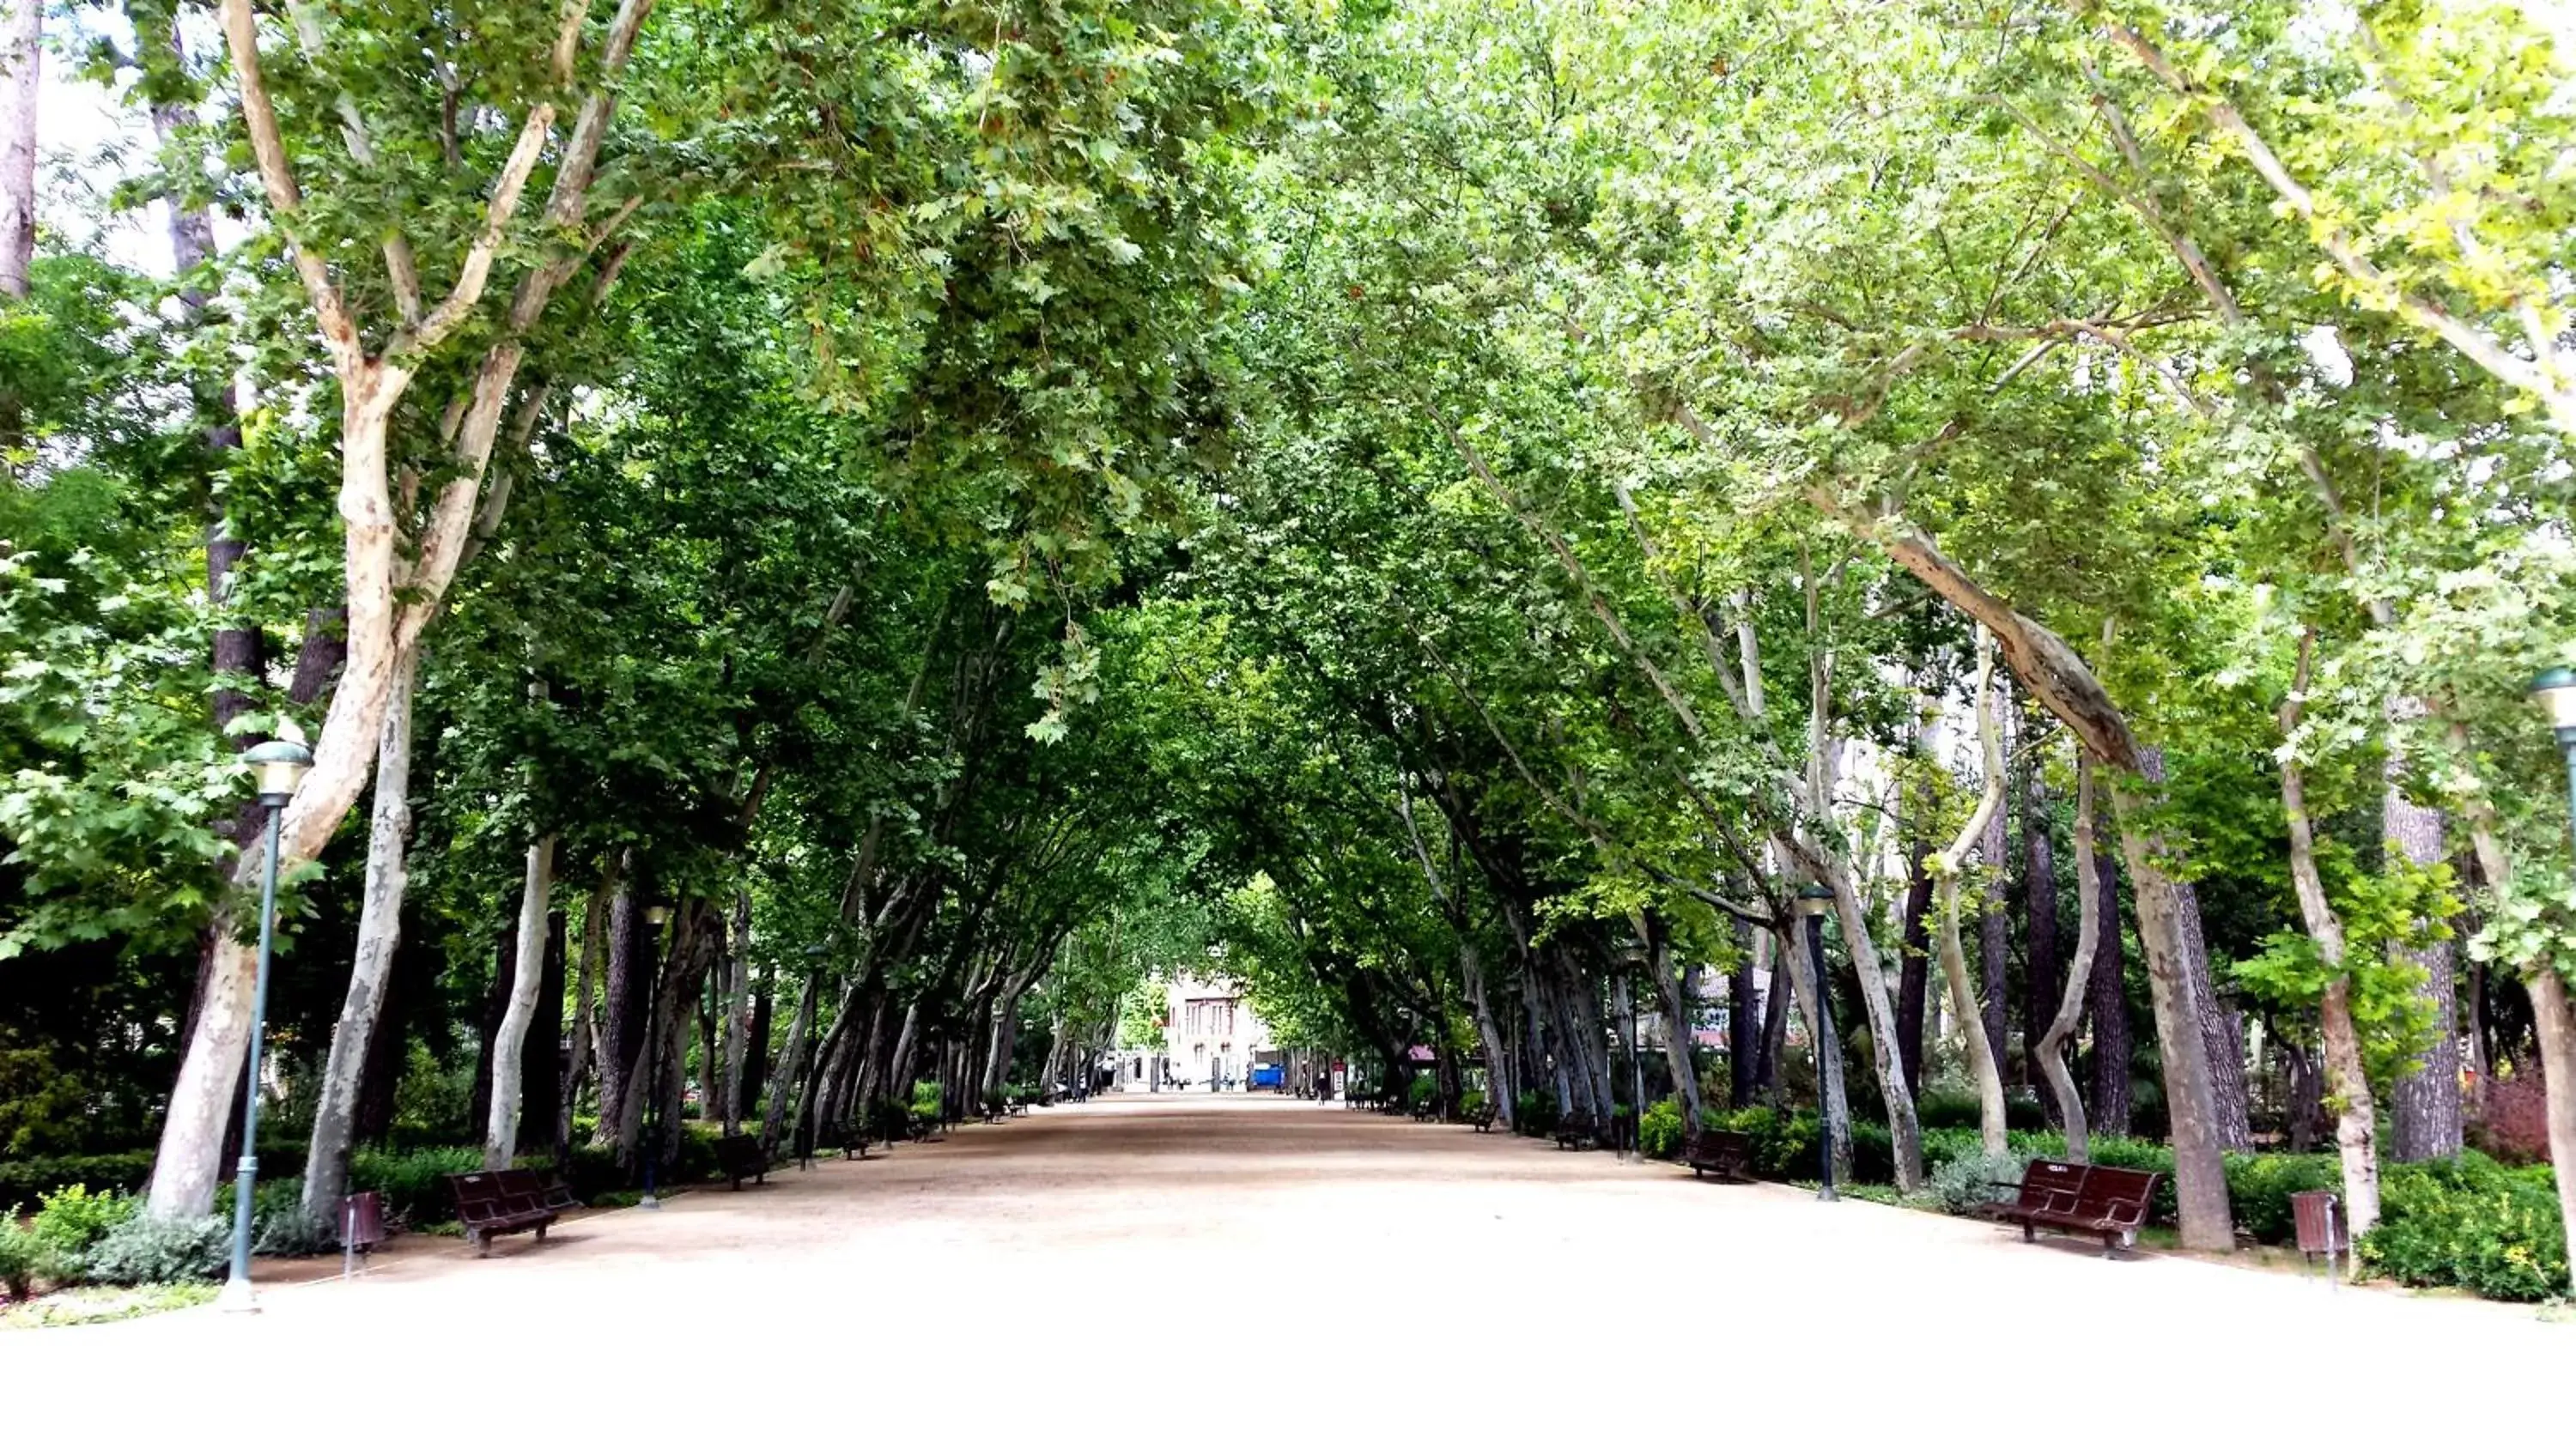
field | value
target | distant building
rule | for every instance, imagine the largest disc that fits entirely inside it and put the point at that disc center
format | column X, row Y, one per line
column 1210, row 1034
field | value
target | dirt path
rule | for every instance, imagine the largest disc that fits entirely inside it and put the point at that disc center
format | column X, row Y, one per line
column 1242, row 1270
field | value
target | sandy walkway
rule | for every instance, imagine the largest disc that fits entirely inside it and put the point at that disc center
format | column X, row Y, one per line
column 1232, row 1271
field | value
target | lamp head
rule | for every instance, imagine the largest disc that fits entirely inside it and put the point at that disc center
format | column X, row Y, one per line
column 656, row 915
column 2556, row 691
column 1814, row 900
column 279, row 765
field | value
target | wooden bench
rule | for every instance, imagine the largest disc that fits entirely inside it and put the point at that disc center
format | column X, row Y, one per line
column 1577, row 1133
column 494, row 1204
column 2105, row 1202
column 1480, row 1117
column 739, row 1157
column 1426, row 1110
column 1723, row 1153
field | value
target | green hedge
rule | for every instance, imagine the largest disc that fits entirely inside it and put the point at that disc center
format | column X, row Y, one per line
column 2258, row 1186
column 2471, row 1223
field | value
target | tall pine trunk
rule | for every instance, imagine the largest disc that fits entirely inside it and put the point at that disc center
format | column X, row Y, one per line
column 2108, row 1003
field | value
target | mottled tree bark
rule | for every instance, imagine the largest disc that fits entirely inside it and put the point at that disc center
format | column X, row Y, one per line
column 22, row 34
column 527, row 978
column 2091, row 910
column 2425, row 1119
column 2108, row 1004
column 1914, row 958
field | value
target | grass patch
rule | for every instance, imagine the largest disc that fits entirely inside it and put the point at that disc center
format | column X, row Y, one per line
column 105, row 1305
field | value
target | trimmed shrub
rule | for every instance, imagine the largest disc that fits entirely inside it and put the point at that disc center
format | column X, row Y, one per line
column 412, row 1183
column 1419, row 1091
column 151, row 1250
column 2471, row 1223
column 2259, row 1189
column 24, row 1181
column 1938, row 1109
column 1659, row 1132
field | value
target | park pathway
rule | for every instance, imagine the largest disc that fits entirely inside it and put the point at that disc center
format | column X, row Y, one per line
column 1233, row 1271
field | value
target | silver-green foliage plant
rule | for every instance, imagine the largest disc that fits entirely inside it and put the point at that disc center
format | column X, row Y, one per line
column 160, row 1250
column 1970, row 1181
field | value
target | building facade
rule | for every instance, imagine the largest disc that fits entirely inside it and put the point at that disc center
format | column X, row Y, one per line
column 1211, row 1038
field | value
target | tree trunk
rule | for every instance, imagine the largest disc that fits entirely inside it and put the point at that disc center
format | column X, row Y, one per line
column 1744, row 1020
column 1914, row 959
column 1784, row 961
column 1675, row 989
column 626, row 993
column 2060, row 679
column 2356, row 1116
column 541, row 1060
column 1898, row 1089
column 326, row 1164
column 2089, row 917
column 1946, row 869
column 791, row 1064
column 2108, row 1003
column 1499, row 1083
column 2425, row 1116
column 22, row 55
column 594, row 941
column 755, row 1062
column 2040, row 977
column 737, row 981
column 1994, row 957
column 536, row 903
column 2553, row 1013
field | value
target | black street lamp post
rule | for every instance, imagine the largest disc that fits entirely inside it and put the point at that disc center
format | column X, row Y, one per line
column 280, row 765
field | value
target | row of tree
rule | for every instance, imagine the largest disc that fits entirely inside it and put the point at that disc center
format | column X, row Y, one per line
column 1474, row 513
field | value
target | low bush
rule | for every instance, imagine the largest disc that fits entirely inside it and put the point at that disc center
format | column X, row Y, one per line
column 1471, row 1103
column 1534, row 1113
column 24, row 1257
column 156, row 1250
column 2512, row 1125
column 2471, row 1223
column 2259, row 1189
column 1660, row 1131
column 1968, row 1182
column 72, row 1220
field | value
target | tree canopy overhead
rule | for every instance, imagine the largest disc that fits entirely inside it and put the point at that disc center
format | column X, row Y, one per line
column 830, row 546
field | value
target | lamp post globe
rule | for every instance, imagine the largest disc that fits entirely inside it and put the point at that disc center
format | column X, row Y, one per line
column 278, row 766
column 1814, row 902
column 2555, row 688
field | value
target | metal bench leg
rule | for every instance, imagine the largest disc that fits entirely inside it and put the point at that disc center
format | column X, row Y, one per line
column 541, row 1231
column 2029, row 1234
column 482, row 1243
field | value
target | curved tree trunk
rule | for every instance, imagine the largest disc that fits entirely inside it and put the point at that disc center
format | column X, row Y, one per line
column 791, row 1064
column 509, row 1045
column 1945, row 869
column 2089, row 917
column 335, row 1116
column 2356, row 1116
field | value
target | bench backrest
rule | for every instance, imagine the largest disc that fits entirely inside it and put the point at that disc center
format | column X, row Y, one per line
column 2050, row 1186
column 1720, row 1144
column 2116, row 1194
